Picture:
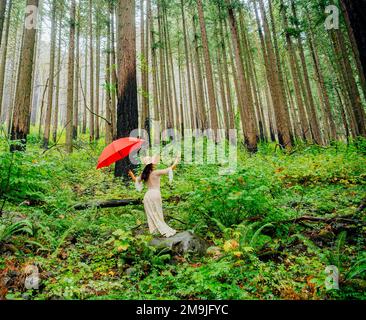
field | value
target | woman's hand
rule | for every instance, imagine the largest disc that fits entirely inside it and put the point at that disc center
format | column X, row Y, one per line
column 176, row 162
column 130, row 173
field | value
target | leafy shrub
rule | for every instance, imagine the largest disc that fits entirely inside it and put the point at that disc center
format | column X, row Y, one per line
column 232, row 199
column 23, row 177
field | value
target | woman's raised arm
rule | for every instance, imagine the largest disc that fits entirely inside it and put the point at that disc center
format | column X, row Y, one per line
column 167, row 170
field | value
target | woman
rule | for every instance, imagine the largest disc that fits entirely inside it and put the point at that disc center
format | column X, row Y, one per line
column 152, row 201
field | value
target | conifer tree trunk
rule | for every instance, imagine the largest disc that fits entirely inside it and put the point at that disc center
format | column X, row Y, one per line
column 285, row 138
column 2, row 17
column 114, row 72
column 47, row 128
column 57, row 98
column 22, row 105
column 185, row 36
column 127, row 112
column 70, row 81
column 4, row 56
column 295, row 77
column 314, row 122
column 331, row 128
column 97, row 83
column 358, row 113
column 227, row 78
column 91, row 71
column 85, row 112
column 200, row 92
column 356, row 16
column 108, row 127
column 77, row 78
column 209, row 73
column 246, row 108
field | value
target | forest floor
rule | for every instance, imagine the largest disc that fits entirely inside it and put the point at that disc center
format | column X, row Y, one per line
column 273, row 227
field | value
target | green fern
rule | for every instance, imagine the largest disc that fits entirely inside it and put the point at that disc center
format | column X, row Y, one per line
column 6, row 232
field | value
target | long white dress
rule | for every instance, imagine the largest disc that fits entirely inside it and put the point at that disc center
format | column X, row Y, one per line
column 153, row 204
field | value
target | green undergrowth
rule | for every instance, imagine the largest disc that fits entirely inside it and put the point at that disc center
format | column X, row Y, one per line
column 262, row 244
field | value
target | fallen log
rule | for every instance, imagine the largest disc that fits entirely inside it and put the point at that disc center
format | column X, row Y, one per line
column 119, row 203
column 323, row 219
column 108, row 204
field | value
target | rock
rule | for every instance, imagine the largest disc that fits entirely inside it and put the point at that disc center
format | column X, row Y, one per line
column 182, row 243
column 32, row 281
column 130, row 271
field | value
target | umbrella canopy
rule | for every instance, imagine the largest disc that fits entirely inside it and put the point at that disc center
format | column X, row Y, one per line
column 118, row 150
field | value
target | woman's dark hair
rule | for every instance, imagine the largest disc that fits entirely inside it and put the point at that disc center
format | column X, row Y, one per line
column 147, row 171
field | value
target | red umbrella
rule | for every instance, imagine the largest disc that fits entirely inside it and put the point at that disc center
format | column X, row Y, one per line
column 118, row 150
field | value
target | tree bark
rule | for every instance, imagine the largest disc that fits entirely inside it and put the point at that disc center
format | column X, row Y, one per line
column 285, row 138
column 295, row 77
column 209, row 73
column 22, row 105
column 56, row 111
column 127, row 111
column 356, row 14
column 185, row 36
column 91, row 71
column 4, row 56
column 47, row 129
column 77, row 77
column 3, row 4
column 246, row 108
column 70, row 82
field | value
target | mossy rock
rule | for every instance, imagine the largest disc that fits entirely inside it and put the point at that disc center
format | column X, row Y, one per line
column 182, row 243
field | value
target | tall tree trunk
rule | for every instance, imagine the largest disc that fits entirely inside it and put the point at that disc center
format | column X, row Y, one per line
column 245, row 104
column 127, row 112
column 70, row 81
column 200, row 92
column 185, row 36
column 22, row 106
column 114, row 72
column 163, row 95
column 295, row 77
column 229, row 99
column 147, row 122
column 3, row 57
column 350, row 81
column 108, row 88
column 209, row 74
column 16, row 53
column 170, row 65
column 313, row 117
column 91, row 70
column 57, row 107
column 325, row 97
column 2, row 17
column 47, row 129
column 285, row 138
column 85, row 111
column 248, row 59
column 181, row 93
column 356, row 15
column 97, row 82
column 77, row 78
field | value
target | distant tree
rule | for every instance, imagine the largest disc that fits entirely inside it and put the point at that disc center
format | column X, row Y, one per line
column 70, row 80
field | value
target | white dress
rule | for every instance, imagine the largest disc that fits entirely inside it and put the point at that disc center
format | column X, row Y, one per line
column 153, row 204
